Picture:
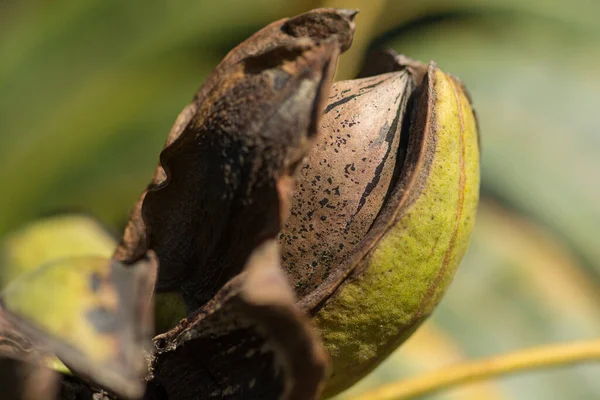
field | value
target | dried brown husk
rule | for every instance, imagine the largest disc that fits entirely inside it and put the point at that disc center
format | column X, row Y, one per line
column 230, row 157
column 248, row 342
column 219, row 196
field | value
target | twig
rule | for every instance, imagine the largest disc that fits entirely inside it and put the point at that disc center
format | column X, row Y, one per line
column 522, row 360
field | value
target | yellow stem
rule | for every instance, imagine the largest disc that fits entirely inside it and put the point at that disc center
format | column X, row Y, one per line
column 470, row 371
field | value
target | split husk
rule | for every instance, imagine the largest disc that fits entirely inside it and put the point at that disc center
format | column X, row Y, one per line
column 374, row 265
column 370, row 200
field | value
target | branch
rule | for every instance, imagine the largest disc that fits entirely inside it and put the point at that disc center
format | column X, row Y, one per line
column 471, row 371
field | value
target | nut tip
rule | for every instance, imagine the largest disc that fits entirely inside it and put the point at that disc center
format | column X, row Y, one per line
column 349, row 13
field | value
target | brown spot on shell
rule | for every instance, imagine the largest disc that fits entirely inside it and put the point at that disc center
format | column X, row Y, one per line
column 346, row 176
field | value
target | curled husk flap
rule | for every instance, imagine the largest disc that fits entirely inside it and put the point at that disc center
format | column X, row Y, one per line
column 406, row 226
column 93, row 313
column 248, row 342
column 224, row 181
column 228, row 175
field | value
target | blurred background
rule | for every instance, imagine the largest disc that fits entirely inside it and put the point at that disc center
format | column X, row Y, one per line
column 89, row 90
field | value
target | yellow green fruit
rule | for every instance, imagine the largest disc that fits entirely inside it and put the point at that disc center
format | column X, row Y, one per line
column 407, row 260
column 57, row 297
column 62, row 289
column 49, row 239
column 169, row 310
column 66, row 236
column 92, row 312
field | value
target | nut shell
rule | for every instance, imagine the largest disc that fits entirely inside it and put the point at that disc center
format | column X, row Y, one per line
column 343, row 182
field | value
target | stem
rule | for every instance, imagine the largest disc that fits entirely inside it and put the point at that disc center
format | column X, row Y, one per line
column 470, row 371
